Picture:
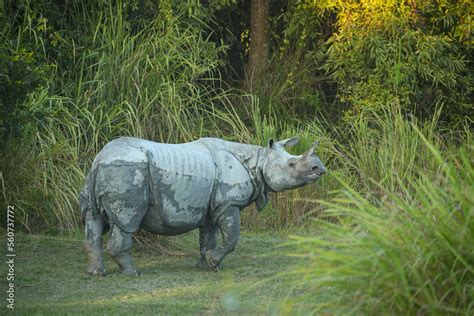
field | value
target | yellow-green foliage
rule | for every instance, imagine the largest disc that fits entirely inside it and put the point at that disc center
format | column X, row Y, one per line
column 413, row 52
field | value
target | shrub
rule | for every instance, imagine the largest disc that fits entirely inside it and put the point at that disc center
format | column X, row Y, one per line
column 397, row 51
column 20, row 74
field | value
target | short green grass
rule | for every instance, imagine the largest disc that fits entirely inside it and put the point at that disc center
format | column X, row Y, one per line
column 50, row 278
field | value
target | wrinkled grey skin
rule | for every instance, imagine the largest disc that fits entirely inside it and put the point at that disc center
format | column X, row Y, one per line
column 170, row 189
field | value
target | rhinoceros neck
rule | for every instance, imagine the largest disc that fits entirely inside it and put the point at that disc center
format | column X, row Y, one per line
column 251, row 156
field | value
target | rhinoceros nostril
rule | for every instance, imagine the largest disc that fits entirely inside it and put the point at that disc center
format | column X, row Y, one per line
column 315, row 168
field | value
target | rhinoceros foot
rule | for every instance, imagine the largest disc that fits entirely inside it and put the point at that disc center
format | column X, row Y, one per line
column 203, row 265
column 131, row 272
column 96, row 271
column 212, row 263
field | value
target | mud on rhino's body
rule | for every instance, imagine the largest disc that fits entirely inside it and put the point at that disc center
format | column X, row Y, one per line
column 170, row 189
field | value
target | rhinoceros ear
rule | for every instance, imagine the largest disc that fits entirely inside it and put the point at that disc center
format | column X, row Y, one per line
column 271, row 142
column 290, row 141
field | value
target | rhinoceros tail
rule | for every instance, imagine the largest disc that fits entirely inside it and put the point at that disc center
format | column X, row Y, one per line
column 87, row 196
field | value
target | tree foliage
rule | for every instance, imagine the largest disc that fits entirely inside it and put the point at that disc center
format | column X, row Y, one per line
column 415, row 53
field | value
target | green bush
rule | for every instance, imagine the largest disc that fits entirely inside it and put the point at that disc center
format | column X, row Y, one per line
column 397, row 51
column 20, row 74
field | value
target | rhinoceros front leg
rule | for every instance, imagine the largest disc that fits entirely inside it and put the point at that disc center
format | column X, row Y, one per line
column 119, row 245
column 207, row 241
column 229, row 225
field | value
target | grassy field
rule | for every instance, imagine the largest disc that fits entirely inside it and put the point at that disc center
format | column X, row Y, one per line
column 50, row 278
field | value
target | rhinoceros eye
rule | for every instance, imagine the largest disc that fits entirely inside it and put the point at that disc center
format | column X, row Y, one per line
column 292, row 164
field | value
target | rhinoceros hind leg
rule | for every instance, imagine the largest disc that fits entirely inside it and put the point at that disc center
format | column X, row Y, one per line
column 119, row 245
column 94, row 227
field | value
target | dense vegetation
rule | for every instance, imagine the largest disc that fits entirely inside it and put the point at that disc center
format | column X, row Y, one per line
column 386, row 86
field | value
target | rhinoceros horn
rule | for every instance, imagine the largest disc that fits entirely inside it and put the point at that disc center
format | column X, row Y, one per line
column 312, row 148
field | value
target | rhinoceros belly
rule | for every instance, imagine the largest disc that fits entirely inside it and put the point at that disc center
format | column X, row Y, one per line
column 181, row 182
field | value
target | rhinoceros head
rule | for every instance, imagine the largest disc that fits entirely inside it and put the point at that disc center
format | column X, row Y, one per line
column 283, row 171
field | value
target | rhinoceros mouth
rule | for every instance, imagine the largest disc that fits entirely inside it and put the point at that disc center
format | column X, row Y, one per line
column 312, row 176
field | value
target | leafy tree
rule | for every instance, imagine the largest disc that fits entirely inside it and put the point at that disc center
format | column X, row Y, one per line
column 409, row 52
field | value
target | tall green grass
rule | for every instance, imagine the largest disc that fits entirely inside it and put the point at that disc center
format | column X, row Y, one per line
column 401, row 240
column 161, row 84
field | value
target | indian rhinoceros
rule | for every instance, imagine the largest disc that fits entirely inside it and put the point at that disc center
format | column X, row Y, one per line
column 171, row 189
